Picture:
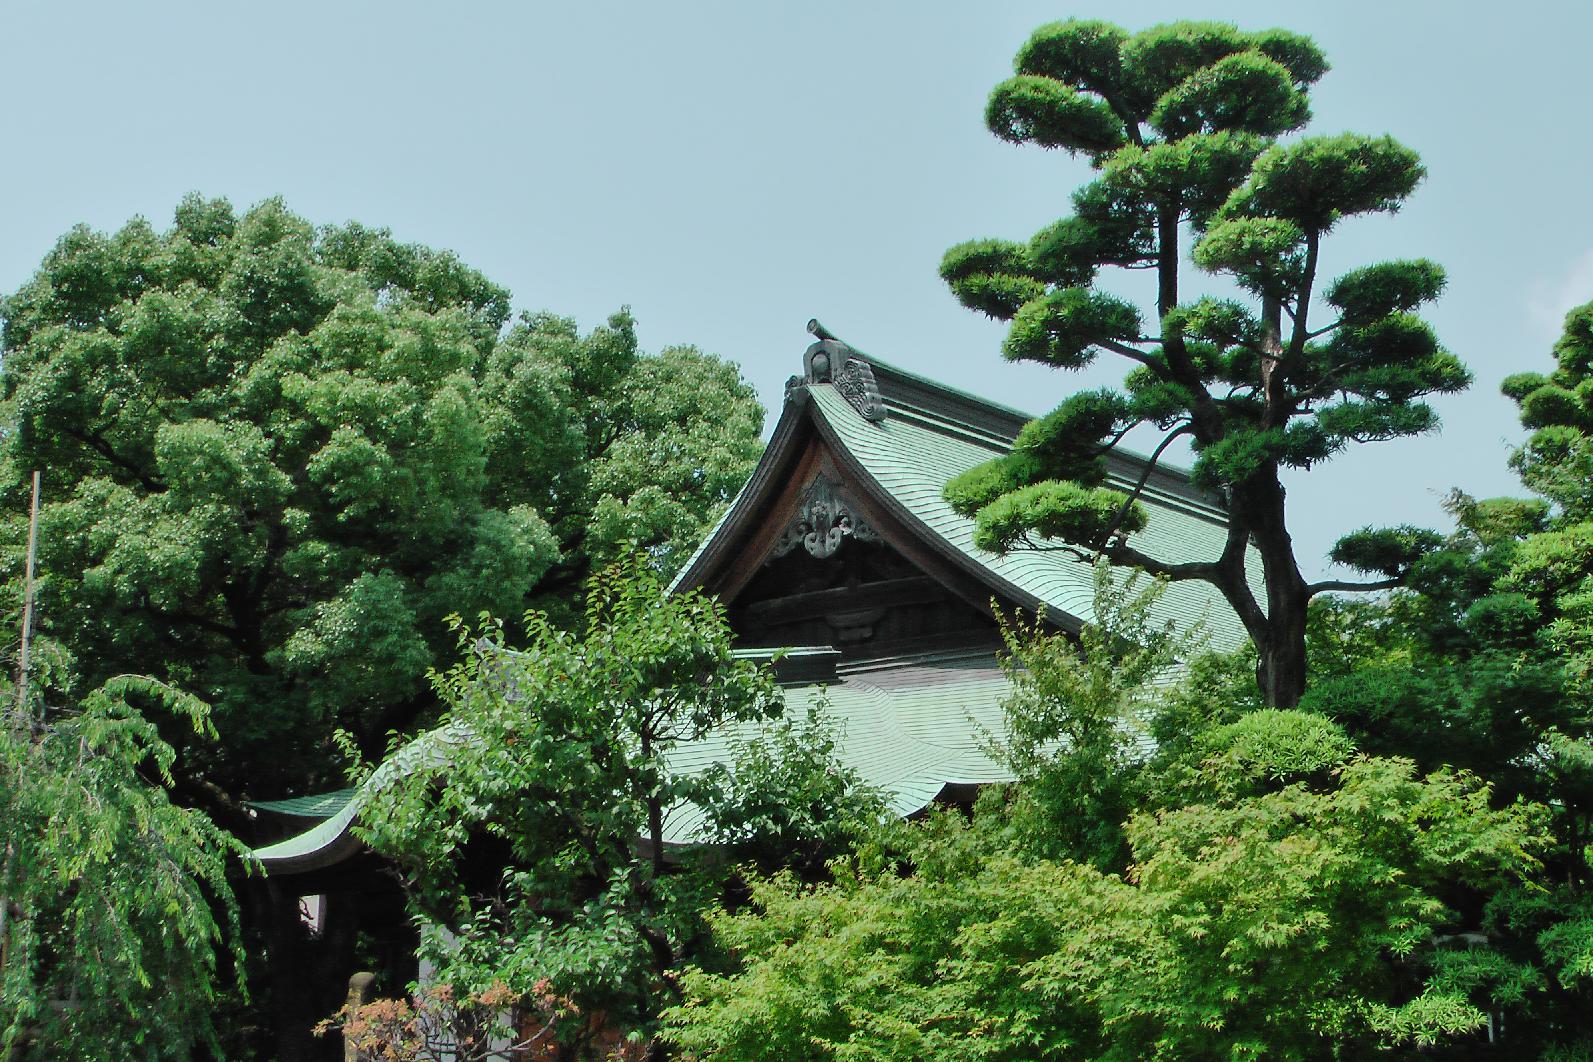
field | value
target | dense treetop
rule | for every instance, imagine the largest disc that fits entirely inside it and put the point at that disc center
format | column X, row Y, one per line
column 277, row 457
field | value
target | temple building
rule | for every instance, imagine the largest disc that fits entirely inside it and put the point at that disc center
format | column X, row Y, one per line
column 841, row 547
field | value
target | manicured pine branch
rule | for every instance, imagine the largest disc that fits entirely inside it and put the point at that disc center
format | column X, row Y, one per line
column 1349, row 587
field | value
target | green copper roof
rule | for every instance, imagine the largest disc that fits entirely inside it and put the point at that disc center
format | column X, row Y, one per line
column 910, row 456
column 319, row 806
column 327, row 842
column 332, row 840
column 909, row 730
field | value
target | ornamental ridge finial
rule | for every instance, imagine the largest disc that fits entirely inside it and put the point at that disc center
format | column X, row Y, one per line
column 833, row 361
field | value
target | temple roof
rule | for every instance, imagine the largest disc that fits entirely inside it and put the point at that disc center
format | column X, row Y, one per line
column 900, row 446
column 911, row 724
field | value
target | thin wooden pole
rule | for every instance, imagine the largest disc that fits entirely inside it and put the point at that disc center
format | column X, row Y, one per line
column 27, row 605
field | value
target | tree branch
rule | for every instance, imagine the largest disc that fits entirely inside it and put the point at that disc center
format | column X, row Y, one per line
column 97, row 443
column 1345, row 586
column 1107, row 447
column 1120, row 552
column 1144, row 477
column 1313, row 246
column 1150, row 361
column 187, row 618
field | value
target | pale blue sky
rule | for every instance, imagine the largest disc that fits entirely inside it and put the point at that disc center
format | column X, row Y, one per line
column 731, row 169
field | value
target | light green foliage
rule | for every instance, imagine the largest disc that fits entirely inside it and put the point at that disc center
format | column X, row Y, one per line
column 554, row 758
column 276, row 457
column 879, row 965
column 1076, row 722
column 784, row 800
column 116, row 915
column 1292, row 924
column 1477, row 665
column 1277, row 746
column 1256, row 889
column 1180, row 123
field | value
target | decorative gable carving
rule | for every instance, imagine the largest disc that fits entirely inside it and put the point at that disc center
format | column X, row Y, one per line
column 825, row 518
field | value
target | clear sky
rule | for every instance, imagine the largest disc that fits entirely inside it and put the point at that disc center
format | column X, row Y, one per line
column 731, row 169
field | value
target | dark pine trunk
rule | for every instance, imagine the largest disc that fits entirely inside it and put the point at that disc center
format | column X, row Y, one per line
column 1279, row 637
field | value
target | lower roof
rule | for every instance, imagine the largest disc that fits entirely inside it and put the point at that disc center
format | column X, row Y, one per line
column 910, row 729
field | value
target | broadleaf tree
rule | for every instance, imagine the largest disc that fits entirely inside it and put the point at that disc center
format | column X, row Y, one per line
column 1181, row 124
column 276, row 457
column 555, row 759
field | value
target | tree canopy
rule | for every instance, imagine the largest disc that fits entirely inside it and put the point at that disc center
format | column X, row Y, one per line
column 1181, row 123
column 276, row 457
column 1276, row 894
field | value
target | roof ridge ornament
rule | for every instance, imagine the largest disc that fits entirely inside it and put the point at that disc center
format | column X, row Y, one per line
column 833, row 361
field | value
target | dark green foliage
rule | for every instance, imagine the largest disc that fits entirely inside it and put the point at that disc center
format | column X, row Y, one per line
column 1051, row 114
column 1062, row 328
column 1556, row 461
column 1376, row 291
column 1316, row 182
column 990, row 274
column 1060, row 439
column 277, row 456
column 1054, row 509
column 1481, row 692
column 1484, row 663
column 1388, row 550
column 1244, row 92
column 1180, row 123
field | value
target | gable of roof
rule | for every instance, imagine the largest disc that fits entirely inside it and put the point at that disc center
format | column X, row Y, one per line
column 897, row 439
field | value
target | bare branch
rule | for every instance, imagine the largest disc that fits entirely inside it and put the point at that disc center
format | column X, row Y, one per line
column 96, row 442
column 1345, row 586
column 1120, row 552
column 1150, row 466
column 1313, row 247
column 1107, row 446
column 1150, row 361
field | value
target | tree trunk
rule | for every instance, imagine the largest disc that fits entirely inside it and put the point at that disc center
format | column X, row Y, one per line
column 1280, row 637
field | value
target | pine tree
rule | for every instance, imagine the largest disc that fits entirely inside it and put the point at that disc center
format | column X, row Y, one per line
column 1181, row 125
